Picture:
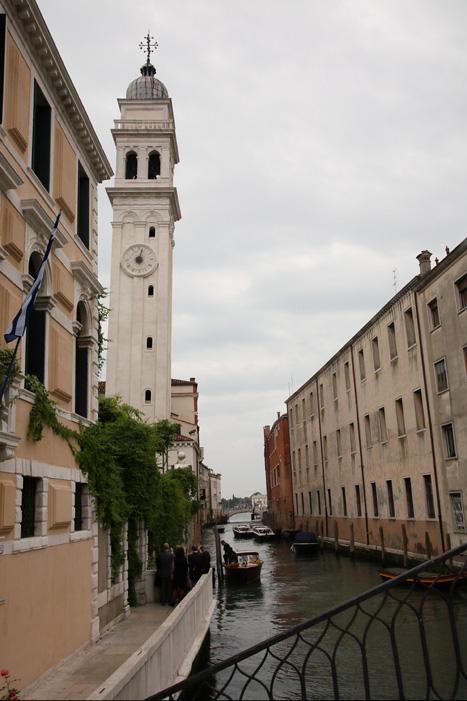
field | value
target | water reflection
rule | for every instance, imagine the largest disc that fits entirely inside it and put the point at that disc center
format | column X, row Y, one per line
column 293, row 589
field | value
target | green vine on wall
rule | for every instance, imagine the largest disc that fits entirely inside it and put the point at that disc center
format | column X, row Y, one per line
column 44, row 412
column 102, row 315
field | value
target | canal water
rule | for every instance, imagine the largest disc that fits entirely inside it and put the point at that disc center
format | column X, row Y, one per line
column 293, row 589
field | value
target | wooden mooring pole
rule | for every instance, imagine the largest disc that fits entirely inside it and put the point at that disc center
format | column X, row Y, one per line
column 220, row 571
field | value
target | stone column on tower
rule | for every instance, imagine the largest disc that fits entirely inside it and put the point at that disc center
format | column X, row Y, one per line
column 145, row 209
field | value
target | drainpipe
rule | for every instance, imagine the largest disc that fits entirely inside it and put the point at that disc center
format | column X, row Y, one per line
column 360, row 445
column 430, row 426
column 322, row 460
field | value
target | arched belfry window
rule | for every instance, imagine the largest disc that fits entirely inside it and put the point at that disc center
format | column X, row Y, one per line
column 154, row 165
column 152, row 232
column 81, row 361
column 151, row 291
column 147, row 396
column 35, row 333
column 131, row 166
column 149, row 342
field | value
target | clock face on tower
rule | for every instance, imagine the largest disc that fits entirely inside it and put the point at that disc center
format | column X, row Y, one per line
column 139, row 260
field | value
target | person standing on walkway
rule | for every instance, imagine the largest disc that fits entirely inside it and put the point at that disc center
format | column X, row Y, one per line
column 180, row 576
column 165, row 564
column 194, row 563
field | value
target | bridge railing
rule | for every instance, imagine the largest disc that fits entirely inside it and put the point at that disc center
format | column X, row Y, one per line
column 389, row 642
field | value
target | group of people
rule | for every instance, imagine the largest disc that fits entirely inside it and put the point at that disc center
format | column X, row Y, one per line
column 176, row 574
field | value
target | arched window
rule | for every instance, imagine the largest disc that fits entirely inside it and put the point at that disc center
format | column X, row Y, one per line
column 154, row 165
column 35, row 334
column 81, row 363
column 149, row 342
column 147, row 396
column 152, row 232
column 151, row 291
column 131, row 166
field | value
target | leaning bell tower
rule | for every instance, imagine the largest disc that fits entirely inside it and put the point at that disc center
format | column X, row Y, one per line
column 145, row 209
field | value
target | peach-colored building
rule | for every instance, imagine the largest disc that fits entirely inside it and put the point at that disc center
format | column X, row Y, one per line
column 278, row 474
column 378, row 436
column 51, row 590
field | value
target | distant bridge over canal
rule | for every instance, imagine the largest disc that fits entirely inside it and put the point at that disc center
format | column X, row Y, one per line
column 231, row 512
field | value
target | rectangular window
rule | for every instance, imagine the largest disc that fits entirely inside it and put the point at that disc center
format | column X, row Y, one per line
column 392, row 340
column 358, row 500
column 291, row 416
column 429, row 500
column 449, row 444
column 347, row 376
column 344, row 502
column 375, row 499
column 419, row 413
column 303, row 409
column 307, row 456
column 433, row 314
column 310, row 506
column 383, row 434
column 312, row 409
column 369, row 442
column 315, row 454
column 457, row 511
column 338, row 443
column 321, row 396
column 330, row 502
column 319, row 502
column 361, row 363
column 352, row 438
column 409, row 327
column 28, row 507
column 325, row 448
column 441, row 376
column 2, row 61
column 334, row 385
column 409, row 497
column 42, row 118
column 299, row 459
column 82, row 226
column 303, row 504
column 461, row 286
column 391, row 510
column 294, row 465
column 400, row 418
column 79, row 492
column 375, row 348
column 296, row 503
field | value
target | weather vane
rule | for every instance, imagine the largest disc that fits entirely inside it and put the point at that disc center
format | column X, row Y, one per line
column 147, row 46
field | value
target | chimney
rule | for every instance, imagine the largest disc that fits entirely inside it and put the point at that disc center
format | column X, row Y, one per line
column 424, row 258
column 278, row 414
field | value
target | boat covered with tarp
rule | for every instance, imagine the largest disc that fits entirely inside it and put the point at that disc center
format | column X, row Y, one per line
column 305, row 543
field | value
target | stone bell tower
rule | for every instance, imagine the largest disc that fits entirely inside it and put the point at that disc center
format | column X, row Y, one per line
column 145, row 209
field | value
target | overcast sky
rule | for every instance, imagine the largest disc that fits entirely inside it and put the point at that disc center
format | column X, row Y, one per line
column 322, row 145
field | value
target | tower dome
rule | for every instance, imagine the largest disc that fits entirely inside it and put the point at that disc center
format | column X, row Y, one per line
column 147, row 86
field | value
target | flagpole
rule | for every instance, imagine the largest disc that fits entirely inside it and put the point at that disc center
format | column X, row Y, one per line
column 8, row 372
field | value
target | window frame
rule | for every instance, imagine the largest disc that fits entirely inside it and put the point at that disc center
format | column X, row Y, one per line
column 434, row 319
column 440, row 387
column 461, row 292
column 444, row 437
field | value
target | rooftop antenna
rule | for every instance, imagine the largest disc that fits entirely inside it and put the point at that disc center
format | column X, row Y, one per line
column 394, row 277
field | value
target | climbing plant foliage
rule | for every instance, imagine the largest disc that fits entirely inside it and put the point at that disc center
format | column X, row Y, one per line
column 119, row 456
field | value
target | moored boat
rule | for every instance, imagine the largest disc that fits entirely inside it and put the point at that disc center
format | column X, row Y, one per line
column 221, row 528
column 247, row 569
column 242, row 531
column 427, row 578
column 305, row 543
column 263, row 533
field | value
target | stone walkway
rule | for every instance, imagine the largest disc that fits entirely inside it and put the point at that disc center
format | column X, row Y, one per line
column 80, row 676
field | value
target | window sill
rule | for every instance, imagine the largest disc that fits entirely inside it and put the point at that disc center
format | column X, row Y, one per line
column 442, row 391
column 393, row 360
column 414, row 345
column 435, row 327
column 421, row 430
column 385, row 442
column 402, row 436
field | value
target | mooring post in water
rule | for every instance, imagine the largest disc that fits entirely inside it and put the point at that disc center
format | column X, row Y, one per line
column 322, row 535
column 381, row 536
column 336, row 538
column 427, row 545
column 220, row 571
column 404, row 544
column 352, row 540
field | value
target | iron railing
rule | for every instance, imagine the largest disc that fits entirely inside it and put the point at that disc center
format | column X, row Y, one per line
column 389, row 642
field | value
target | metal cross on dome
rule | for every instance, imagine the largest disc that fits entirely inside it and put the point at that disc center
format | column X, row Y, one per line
column 147, row 46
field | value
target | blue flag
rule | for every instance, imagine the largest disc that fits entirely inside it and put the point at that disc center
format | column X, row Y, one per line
column 19, row 323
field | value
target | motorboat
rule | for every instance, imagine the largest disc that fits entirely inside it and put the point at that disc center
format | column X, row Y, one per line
column 246, row 569
column 305, row 543
column 263, row 533
column 220, row 528
column 242, row 531
column 427, row 578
